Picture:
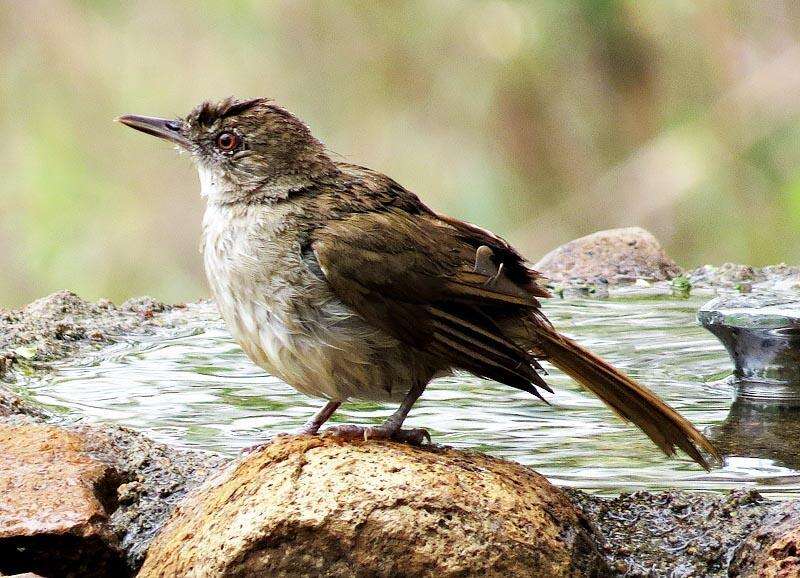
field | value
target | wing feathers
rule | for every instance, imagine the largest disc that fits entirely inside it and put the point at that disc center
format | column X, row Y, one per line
column 466, row 299
column 465, row 291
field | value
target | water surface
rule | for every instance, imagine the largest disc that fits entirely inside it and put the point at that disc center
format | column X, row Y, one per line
column 197, row 389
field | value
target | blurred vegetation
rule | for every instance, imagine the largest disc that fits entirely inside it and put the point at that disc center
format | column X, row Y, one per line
column 541, row 120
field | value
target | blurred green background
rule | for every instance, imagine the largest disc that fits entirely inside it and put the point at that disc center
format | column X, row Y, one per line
column 541, row 120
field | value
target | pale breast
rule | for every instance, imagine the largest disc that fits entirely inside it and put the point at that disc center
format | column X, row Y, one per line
column 285, row 317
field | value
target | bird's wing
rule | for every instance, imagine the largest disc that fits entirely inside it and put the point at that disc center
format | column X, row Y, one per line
column 435, row 284
column 450, row 288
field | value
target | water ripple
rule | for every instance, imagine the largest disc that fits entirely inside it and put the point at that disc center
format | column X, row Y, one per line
column 197, row 389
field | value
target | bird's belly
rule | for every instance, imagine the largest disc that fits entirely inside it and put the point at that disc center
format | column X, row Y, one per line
column 287, row 320
column 321, row 347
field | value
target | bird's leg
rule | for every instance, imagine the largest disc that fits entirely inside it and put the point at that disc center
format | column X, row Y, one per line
column 311, row 427
column 391, row 428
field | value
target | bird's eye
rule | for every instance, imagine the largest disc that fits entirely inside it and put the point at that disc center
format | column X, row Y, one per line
column 227, row 141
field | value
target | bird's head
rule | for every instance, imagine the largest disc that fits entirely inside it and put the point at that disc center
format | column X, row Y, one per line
column 244, row 150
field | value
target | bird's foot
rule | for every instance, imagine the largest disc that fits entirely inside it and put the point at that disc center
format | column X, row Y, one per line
column 306, row 430
column 412, row 436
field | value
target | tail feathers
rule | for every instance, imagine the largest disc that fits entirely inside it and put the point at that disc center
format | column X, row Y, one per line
column 630, row 400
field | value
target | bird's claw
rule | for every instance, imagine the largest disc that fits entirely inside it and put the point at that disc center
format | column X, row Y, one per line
column 412, row 436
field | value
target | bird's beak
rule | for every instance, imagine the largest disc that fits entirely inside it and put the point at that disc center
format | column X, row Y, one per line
column 171, row 130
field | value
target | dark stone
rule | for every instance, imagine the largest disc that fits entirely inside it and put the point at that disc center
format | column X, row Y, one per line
column 762, row 336
column 672, row 533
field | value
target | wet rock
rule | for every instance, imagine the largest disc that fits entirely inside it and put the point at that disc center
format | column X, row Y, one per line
column 773, row 550
column 676, row 534
column 773, row 278
column 55, row 505
column 308, row 506
column 145, row 306
column 155, row 478
column 614, row 256
column 63, row 324
column 11, row 404
column 725, row 275
column 762, row 336
column 149, row 477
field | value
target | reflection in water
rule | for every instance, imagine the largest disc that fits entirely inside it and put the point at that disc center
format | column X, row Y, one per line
column 197, row 389
column 756, row 428
column 762, row 336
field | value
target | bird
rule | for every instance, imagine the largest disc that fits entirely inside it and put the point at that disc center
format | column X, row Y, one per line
column 344, row 284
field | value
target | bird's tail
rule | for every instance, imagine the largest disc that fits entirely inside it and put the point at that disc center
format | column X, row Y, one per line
column 630, row 400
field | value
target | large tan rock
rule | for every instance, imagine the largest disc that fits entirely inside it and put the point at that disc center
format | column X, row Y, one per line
column 613, row 256
column 55, row 500
column 306, row 506
column 772, row 551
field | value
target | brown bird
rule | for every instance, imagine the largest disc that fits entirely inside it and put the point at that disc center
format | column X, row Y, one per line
column 342, row 283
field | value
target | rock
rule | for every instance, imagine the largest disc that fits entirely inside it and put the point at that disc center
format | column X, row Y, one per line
column 773, row 550
column 145, row 305
column 762, row 336
column 55, row 506
column 770, row 279
column 63, row 324
column 315, row 506
column 156, row 477
column 150, row 478
column 725, row 275
column 614, row 256
column 672, row 533
column 11, row 404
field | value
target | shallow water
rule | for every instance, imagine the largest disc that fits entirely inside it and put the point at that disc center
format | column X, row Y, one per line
column 196, row 388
